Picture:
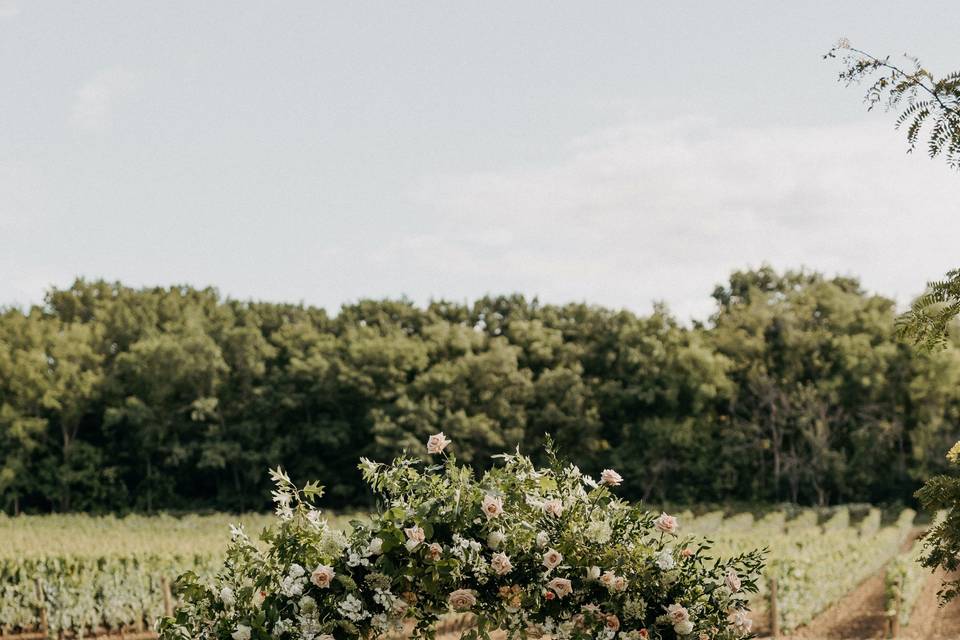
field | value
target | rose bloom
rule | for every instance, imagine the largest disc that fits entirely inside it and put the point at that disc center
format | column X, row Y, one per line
column 492, row 506
column 610, row 477
column 434, row 552
column 732, row 580
column 619, row 583
column 607, row 579
column 553, row 508
column 549, row 595
column 495, row 539
column 500, row 564
column 437, row 443
column 643, row 634
column 552, row 558
column 683, row 628
column 677, row 614
column 376, row 546
column 415, row 534
column 687, row 552
column 322, row 576
column 667, row 524
column 543, row 539
column 462, row 599
column 560, row 586
column 612, row 622
column 593, row 573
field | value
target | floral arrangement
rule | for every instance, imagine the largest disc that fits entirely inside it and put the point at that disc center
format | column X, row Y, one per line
column 529, row 550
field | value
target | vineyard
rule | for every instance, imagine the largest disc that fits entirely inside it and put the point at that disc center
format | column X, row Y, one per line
column 75, row 576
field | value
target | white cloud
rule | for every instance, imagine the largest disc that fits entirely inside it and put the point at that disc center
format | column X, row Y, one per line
column 9, row 9
column 663, row 211
column 95, row 101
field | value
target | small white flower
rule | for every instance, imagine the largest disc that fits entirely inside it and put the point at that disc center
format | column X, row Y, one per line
column 683, row 628
column 593, row 573
column 665, row 559
column 543, row 539
column 242, row 632
column 376, row 546
column 227, row 597
column 495, row 539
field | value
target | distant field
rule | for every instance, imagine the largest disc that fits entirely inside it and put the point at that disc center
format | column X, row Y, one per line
column 75, row 572
column 78, row 572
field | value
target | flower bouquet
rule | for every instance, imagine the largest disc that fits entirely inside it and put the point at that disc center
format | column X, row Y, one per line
column 532, row 551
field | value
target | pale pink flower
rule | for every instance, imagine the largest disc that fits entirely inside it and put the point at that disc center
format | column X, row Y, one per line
column 612, row 622
column 322, row 576
column 610, row 477
column 667, row 524
column 620, row 583
column 434, row 552
column 553, row 507
column 552, row 558
column 560, row 586
column 608, row 578
column 462, row 599
column 415, row 536
column 492, row 506
column 732, row 580
column 677, row 614
column 437, row 443
column 500, row 563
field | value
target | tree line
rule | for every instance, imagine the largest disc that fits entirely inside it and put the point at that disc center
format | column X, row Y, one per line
column 796, row 389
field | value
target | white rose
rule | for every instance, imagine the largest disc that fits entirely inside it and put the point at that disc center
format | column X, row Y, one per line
column 322, row 576
column 560, row 586
column 667, row 524
column 242, row 632
column 553, row 508
column 665, row 559
column 610, row 477
column 500, row 563
column 492, row 506
column 415, row 536
column 376, row 546
column 462, row 599
column 543, row 539
column 593, row 573
column 227, row 597
column 608, row 579
column 683, row 628
column 437, row 443
column 677, row 614
column 552, row 558
column 495, row 539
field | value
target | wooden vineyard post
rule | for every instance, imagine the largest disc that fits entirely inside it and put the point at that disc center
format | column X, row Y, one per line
column 897, row 604
column 167, row 597
column 774, row 614
column 43, row 607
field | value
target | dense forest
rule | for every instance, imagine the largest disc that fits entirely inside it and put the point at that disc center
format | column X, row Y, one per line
column 796, row 389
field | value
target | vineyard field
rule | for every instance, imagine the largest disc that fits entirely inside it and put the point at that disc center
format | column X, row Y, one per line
column 76, row 575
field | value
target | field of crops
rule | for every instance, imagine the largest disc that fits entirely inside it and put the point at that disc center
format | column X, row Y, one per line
column 77, row 574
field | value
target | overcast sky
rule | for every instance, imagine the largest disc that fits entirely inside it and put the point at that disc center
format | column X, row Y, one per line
column 614, row 153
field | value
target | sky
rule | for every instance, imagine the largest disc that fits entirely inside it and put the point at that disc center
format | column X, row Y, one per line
column 617, row 153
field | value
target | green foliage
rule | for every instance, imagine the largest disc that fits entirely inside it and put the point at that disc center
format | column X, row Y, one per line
column 926, row 103
column 113, row 398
